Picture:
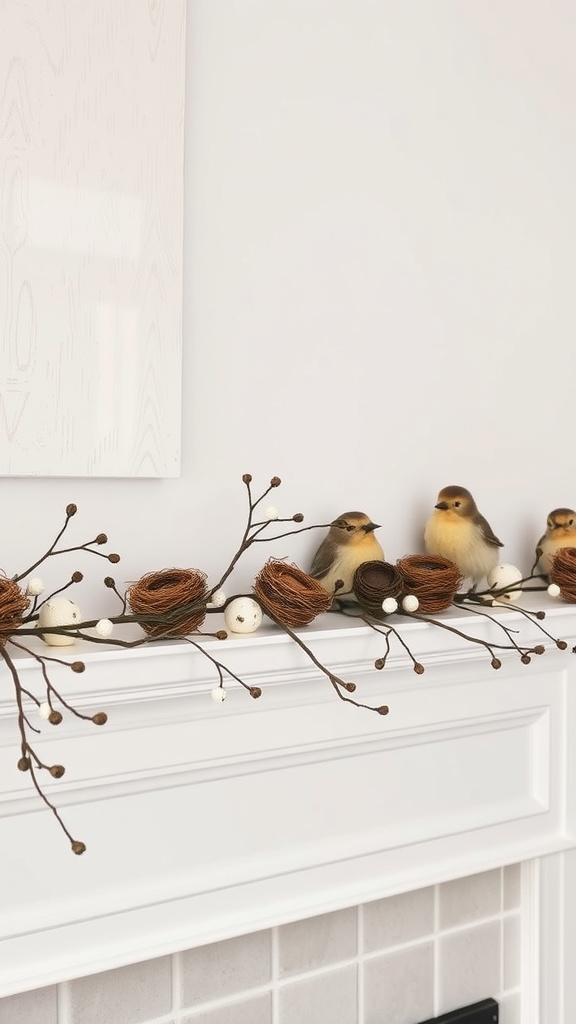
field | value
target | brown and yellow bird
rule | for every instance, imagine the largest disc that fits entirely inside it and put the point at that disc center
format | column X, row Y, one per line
column 349, row 543
column 560, row 533
column 457, row 531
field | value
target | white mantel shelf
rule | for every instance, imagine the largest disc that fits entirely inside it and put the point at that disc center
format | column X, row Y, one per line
column 206, row 820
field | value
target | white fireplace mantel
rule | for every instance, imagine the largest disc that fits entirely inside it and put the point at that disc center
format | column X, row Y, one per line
column 206, row 820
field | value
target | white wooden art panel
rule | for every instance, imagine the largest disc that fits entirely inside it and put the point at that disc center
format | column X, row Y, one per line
column 91, row 179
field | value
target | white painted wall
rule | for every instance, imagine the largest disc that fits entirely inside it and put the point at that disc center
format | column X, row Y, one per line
column 379, row 264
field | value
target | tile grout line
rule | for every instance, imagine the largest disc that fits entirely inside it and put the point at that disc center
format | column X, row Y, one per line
column 436, row 952
column 360, row 963
column 176, row 978
column 63, row 1003
column 274, row 989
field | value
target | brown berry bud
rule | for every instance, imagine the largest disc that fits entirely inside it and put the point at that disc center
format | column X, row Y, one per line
column 525, row 659
column 100, row 718
column 57, row 771
column 24, row 764
column 561, row 645
column 383, row 709
column 113, row 557
column 247, row 478
column 221, row 634
column 297, row 517
column 77, row 576
column 77, row 666
column 338, row 585
column 379, row 663
column 71, row 509
column 78, row 847
column 275, row 481
column 55, row 718
column 540, row 615
column 350, row 687
column 109, row 581
column 101, row 539
column 418, row 668
column 255, row 692
column 496, row 663
column 539, row 649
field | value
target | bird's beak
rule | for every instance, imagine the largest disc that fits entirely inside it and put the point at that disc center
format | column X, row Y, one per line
column 371, row 526
column 442, row 504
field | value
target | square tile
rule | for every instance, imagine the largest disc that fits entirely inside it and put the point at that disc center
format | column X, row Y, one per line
column 329, row 998
column 398, row 919
column 469, row 965
column 37, row 1007
column 399, row 987
column 470, row 899
column 317, row 942
column 225, row 968
column 512, row 951
column 128, row 995
column 512, row 886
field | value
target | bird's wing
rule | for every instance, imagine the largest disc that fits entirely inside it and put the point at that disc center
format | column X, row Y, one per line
column 322, row 561
column 488, row 533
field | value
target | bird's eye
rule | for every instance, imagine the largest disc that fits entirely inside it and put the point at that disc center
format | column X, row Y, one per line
column 570, row 522
column 456, row 504
column 349, row 528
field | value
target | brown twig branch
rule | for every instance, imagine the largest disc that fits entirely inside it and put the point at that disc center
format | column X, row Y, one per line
column 29, row 760
column 337, row 683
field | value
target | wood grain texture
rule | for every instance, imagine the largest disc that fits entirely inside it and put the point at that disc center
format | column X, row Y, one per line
column 91, row 178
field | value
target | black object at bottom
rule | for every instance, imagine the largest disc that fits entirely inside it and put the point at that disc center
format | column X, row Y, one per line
column 485, row 1012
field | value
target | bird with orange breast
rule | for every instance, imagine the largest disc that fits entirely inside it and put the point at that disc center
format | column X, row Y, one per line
column 456, row 530
column 349, row 543
column 560, row 533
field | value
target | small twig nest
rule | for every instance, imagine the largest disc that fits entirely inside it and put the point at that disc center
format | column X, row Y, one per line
column 290, row 595
column 13, row 604
column 563, row 572
column 433, row 580
column 375, row 581
column 172, row 601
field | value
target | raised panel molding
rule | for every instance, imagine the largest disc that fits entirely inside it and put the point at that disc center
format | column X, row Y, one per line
column 91, row 237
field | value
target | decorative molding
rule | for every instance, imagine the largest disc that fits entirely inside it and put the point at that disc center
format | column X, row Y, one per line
column 204, row 821
column 91, row 237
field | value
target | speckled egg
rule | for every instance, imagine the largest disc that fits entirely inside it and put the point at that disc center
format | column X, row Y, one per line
column 58, row 611
column 505, row 576
column 243, row 615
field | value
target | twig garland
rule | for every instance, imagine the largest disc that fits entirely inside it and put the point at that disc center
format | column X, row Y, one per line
column 174, row 603
column 165, row 604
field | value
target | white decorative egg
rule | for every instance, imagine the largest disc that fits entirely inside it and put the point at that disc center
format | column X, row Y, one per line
column 505, row 576
column 243, row 615
column 58, row 611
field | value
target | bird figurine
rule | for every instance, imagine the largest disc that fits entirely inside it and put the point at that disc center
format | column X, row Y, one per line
column 456, row 530
column 560, row 533
column 349, row 543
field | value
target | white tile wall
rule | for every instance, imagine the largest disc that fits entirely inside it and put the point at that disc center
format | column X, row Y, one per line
column 393, row 961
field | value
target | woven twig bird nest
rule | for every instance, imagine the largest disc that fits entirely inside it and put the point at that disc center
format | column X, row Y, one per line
column 13, row 604
column 172, row 601
column 433, row 580
column 289, row 594
column 563, row 572
column 373, row 582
